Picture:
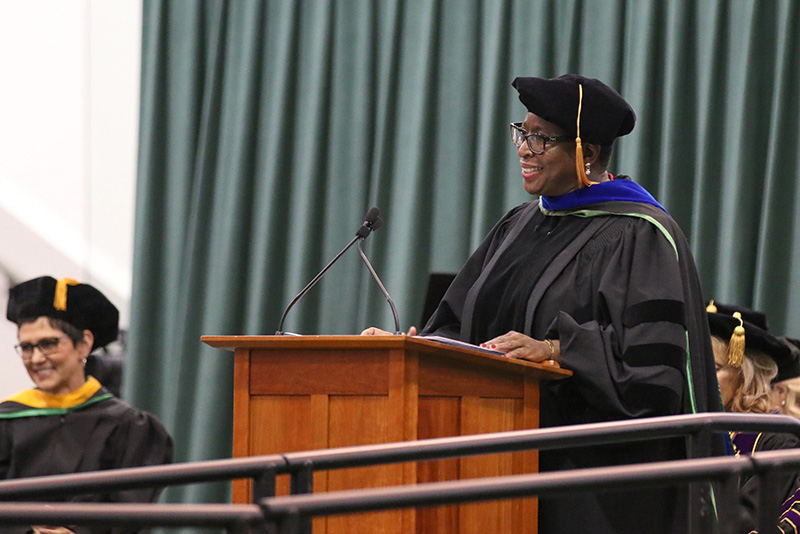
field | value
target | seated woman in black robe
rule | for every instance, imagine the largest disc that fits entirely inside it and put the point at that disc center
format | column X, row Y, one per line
column 69, row 422
column 595, row 276
column 748, row 360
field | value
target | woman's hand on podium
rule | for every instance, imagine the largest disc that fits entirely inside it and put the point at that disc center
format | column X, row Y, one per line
column 50, row 530
column 516, row 345
column 373, row 331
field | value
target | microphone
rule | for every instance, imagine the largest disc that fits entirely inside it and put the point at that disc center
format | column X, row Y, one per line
column 377, row 224
column 371, row 222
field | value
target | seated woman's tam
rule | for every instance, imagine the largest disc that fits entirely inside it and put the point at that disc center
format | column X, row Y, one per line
column 80, row 305
column 722, row 325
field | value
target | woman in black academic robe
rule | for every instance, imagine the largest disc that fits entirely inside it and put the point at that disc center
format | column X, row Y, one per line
column 68, row 422
column 748, row 360
column 595, row 276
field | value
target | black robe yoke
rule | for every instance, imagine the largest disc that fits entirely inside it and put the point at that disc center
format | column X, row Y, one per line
column 616, row 283
column 103, row 433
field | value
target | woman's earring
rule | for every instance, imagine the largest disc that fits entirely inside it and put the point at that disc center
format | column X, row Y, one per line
column 783, row 402
column 83, row 361
column 587, row 166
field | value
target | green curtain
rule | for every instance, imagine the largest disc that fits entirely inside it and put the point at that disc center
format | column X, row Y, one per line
column 268, row 128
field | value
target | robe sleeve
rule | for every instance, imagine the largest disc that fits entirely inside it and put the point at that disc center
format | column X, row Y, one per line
column 139, row 440
column 628, row 351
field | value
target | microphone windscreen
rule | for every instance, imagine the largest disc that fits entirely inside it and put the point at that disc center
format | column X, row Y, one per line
column 372, row 215
column 377, row 224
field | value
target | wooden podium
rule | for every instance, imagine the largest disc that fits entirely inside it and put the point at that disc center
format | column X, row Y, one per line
column 315, row 392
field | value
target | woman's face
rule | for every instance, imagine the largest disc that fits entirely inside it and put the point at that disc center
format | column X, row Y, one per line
column 61, row 371
column 777, row 398
column 727, row 375
column 552, row 173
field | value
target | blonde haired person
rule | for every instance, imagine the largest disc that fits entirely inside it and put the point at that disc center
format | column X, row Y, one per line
column 748, row 359
column 786, row 390
column 745, row 388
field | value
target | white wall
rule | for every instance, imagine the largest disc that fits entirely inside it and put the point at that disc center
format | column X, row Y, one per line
column 69, row 104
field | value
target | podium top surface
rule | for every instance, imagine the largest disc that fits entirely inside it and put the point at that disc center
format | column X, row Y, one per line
column 402, row 342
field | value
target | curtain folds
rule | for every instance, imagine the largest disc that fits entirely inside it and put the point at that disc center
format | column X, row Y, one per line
column 268, row 128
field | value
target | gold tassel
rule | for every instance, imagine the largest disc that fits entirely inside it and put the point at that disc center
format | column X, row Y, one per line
column 584, row 181
column 711, row 308
column 737, row 343
column 60, row 299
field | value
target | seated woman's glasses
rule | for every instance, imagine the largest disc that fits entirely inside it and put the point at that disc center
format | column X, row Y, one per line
column 46, row 346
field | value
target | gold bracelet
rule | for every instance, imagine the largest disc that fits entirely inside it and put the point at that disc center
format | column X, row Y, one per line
column 552, row 348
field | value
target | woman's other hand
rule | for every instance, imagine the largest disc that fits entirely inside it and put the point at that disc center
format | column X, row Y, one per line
column 373, row 331
column 516, row 345
column 51, row 530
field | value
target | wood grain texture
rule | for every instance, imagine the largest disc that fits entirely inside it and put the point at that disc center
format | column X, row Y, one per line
column 362, row 421
column 241, row 489
column 317, row 392
column 439, row 417
column 319, row 372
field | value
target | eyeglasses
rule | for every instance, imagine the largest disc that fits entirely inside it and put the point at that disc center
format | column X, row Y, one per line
column 46, row 346
column 536, row 141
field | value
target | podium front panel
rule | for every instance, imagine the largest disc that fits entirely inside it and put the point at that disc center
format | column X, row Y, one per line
column 336, row 391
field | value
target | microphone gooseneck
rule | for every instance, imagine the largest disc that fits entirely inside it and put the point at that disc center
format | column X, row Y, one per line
column 397, row 330
column 371, row 222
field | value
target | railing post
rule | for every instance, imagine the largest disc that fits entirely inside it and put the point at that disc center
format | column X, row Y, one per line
column 302, row 482
column 728, row 505
column 302, row 478
column 769, row 500
column 701, row 504
column 264, row 485
column 290, row 524
column 239, row 528
column 704, row 505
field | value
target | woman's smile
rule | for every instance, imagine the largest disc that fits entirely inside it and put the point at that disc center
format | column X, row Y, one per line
column 529, row 171
column 42, row 374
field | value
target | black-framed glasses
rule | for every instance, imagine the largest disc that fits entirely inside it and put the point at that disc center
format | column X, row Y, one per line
column 536, row 141
column 46, row 346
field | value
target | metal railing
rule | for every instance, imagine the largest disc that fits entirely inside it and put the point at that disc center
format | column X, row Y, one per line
column 691, row 426
column 290, row 514
column 302, row 465
column 234, row 518
column 261, row 469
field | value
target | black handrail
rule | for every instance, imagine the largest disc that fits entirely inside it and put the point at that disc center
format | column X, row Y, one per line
column 241, row 518
column 287, row 512
column 283, row 511
column 51, row 486
column 542, row 439
column 303, row 464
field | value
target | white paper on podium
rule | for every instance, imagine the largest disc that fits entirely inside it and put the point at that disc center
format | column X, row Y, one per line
column 457, row 343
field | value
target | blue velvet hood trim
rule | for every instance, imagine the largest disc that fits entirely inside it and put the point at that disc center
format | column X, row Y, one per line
column 612, row 190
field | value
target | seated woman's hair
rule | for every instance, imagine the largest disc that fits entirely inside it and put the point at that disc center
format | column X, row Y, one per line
column 752, row 394
column 73, row 332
